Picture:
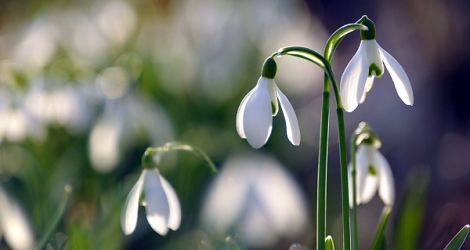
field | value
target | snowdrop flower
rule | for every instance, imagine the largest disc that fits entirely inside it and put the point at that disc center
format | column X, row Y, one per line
column 372, row 171
column 257, row 197
column 368, row 63
column 254, row 116
column 157, row 195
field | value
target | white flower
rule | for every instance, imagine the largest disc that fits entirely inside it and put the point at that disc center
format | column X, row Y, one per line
column 254, row 116
column 255, row 196
column 372, row 172
column 161, row 204
column 367, row 63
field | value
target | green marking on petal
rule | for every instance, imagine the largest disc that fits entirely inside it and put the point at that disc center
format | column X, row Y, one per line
column 374, row 70
column 371, row 169
column 274, row 108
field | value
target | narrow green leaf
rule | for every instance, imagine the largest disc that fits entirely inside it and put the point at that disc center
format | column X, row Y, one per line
column 329, row 244
column 379, row 238
column 57, row 217
column 458, row 240
column 410, row 214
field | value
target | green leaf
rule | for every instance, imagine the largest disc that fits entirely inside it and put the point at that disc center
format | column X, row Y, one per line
column 458, row 240
column 379, row 239
column 329, row 244
column 410, row 214
column 57, row 217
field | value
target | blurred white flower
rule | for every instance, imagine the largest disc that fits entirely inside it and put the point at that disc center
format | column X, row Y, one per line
column 254, row 195
column 372, row 173
column 366, row 64
column 14, row 225
column 160, row 200
column 16, row 122
column 254, row 116
column 122, row 122
column 62, row 105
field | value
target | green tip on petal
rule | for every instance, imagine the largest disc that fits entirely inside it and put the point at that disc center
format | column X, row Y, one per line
column 372, row 170
column 368, row 34
column 374, row 70
column 269, row 68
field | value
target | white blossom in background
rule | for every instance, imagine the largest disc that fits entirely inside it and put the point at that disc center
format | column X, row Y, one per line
column 14, row 225
column 257, row 198
column 123, row 121
column 160, row 200
column 373, row 174
column 16, row 122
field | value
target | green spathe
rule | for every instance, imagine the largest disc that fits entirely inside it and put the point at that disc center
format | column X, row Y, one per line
column 368, row 34
column 269, row 68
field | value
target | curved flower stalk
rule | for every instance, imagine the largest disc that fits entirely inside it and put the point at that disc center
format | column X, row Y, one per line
column 155, row 193
column 368, row 63
column 254, row 116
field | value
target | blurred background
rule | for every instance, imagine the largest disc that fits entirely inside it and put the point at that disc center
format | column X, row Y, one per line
column 87, row 86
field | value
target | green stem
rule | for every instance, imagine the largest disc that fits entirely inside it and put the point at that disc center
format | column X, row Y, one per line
column 322, row 167
column 344, row 179
column 58, row 216
column 330, row 48
column 379, row 238
column 325, row 64
column 354, row 187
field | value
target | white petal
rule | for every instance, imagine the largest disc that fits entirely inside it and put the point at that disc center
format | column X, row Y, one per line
column 175, row 208
column 386, row 184
column 16, row 228
column 240, row 112
column 399, row 77
column 257, row 117
column 353, row 80
column 373, row 56
column 369, row 188
column 158, row 209
column 292, row 125
column 361, row 173
column 131, row 208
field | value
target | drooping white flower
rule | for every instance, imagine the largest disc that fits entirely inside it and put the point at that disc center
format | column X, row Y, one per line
column 372, row 173
column 368, row 63
column 254, row 116
column 255, row 196
column 160, row 200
